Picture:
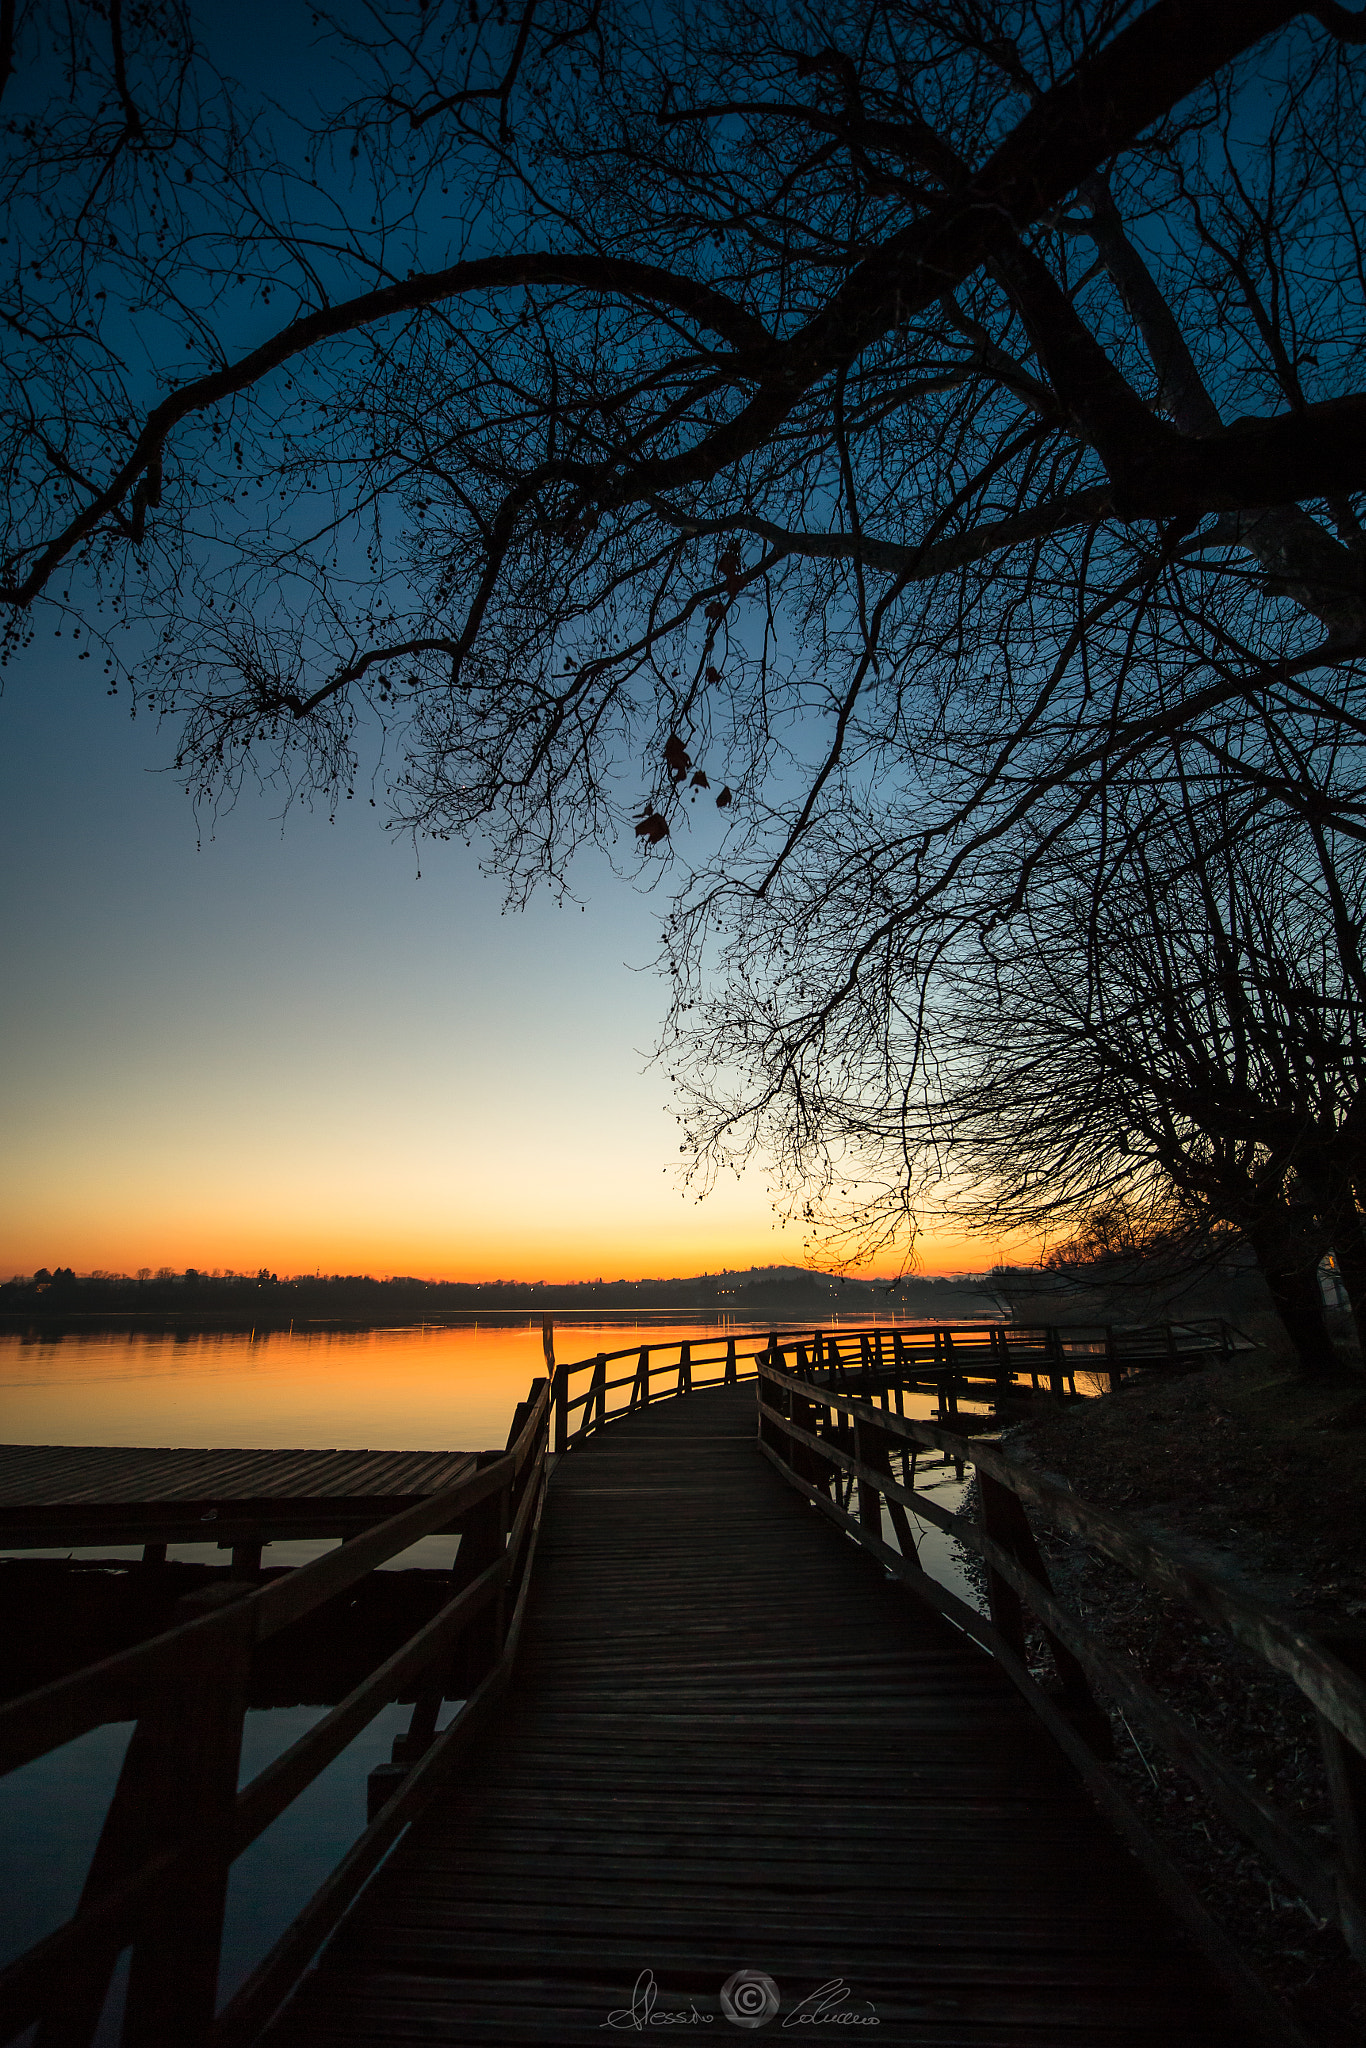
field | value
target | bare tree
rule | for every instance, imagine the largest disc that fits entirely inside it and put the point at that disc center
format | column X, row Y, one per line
column 744, row 318
column 898, row 422
column 1166, row 1051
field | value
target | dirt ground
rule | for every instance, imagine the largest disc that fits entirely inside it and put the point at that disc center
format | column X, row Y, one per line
column 1263, row 1481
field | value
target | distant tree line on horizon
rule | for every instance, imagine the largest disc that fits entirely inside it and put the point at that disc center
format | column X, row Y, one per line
column 61, row 1291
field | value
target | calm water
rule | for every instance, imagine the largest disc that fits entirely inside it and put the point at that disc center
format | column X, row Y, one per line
column 437, row 1388
column 432, row 1387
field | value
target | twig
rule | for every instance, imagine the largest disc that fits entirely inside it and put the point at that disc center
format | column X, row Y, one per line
column 1135, row 1741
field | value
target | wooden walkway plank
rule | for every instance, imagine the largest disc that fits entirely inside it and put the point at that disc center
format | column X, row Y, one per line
column 734, row 1744
column 89, row 1494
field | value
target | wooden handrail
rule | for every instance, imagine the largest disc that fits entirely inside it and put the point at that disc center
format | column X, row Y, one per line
column 164, row 1888
column 952, row 1356
column 56, row 1713
column 1272, row 1831
column 255, row 2002
column 134, row 1884
column 856, row 1429
column 1326, row 1681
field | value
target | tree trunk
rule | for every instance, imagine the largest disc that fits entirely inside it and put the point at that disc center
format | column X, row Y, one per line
column 1294, row 1285
column 1349, row 1249
column 1334, row 1201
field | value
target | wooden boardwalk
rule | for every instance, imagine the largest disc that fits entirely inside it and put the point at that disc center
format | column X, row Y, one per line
column 89, row 1494
column 734, row 1744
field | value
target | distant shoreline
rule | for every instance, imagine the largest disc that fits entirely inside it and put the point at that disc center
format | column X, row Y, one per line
column 65, row 1323
column 199, row 1301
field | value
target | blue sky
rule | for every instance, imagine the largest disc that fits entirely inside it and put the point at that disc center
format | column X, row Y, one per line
column 278, row 1046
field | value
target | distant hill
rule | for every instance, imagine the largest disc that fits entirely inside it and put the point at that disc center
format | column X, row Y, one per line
column 776, row 1293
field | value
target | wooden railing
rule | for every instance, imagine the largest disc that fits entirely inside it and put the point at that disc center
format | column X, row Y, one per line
column 972, row 1361
column 848, row 1452
column 158, row 1881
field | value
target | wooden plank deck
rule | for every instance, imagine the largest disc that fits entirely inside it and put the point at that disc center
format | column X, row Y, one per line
column 86, row 1494
column 733, row 1744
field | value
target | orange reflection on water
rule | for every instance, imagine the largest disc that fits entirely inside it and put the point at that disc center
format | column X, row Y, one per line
column 425, row 1388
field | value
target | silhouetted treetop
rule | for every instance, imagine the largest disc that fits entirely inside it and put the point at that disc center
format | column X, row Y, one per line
column 915, row 422
column 540, row 384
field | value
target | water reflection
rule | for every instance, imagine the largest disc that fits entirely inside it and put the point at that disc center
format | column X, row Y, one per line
column 414, row 1388
column 421, row 1387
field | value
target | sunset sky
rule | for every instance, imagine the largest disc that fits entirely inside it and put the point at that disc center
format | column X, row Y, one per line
column 282, row 1049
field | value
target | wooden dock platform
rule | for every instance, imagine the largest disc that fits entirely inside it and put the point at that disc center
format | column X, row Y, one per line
column 91, row 1494
column 735, row 1745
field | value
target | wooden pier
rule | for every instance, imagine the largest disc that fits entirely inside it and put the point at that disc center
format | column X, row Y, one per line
column 734, row 1745
column 58, row 1494
column 703, row 1733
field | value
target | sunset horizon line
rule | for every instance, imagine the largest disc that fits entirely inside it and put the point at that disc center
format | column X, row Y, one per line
column 264, row 1274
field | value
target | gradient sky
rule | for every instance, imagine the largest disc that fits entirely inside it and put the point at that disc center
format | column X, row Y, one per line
column 282, row 1049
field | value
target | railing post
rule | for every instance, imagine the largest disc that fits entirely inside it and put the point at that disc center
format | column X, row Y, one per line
column 560, row 1384
column 1056, row 1360
column 640, row 1392
column 899, row 1367
column 1001, row 1367
column 500, row 1605
column 685, row 1368
column 595, row 1407
column 1004, row 1519
column 874, row 1451
column 765, row 1397
column 1111, row 1363
column 482, row 1543
column 732, row 1377
column 188, row 1771
column 417, row 1738
column 156, row 1784
column 944, row 1374
column 869, row 1499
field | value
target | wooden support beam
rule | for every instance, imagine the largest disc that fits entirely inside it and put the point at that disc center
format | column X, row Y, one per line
column 1003, row 1602
column 421, row 1729
column 191, row 1788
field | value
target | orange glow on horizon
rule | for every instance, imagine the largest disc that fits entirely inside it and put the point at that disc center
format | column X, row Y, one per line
column 935, row 1257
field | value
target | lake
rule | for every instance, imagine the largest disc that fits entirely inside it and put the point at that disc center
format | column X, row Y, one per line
column 428, row 1387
